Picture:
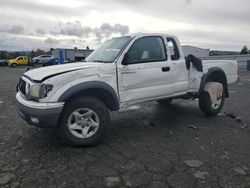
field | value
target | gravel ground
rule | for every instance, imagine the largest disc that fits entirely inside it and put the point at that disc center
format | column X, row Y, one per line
column 147, row 145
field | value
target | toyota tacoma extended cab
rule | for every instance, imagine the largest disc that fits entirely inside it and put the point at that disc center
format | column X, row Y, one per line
column 76, row 98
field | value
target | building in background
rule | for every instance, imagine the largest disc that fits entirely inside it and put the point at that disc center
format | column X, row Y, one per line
column 241, row 59
column 206, row 54
column 71, row 54
column 198, row 52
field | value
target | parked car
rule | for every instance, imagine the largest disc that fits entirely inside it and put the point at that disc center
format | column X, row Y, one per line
column 76, row 98
column 20, row 60
column 43, row 60
column 3, row 62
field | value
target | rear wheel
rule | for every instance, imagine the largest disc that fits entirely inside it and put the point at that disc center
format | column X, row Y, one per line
column 206, row 105
column 83, row 121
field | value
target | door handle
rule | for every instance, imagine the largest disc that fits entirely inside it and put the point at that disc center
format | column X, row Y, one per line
column 165, row 69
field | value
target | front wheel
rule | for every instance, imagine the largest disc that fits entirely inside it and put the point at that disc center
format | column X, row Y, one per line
column 206, row 105
column 83, row 121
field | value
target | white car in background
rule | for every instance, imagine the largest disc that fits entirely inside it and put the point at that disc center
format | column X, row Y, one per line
column 43, row 59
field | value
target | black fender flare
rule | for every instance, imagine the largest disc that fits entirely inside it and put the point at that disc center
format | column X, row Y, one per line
column 105, row 91
column 222, row 78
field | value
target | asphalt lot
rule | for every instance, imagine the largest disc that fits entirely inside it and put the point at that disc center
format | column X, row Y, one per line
column 146, row 146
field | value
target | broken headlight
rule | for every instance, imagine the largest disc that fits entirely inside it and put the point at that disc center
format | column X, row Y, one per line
column 39, row 91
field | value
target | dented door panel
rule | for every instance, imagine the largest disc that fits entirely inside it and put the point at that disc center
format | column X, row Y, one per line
column 145, row 80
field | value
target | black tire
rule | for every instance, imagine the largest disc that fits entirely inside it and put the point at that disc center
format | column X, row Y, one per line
column 50, row 62
column 13, row 65
column 93, row 104
column 205, row 104
column 165, row 101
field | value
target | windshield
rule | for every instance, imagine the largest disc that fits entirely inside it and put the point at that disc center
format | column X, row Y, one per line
column 108, row 51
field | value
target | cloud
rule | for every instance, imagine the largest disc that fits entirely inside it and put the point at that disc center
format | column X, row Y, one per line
column 72, row 29
column 188, row 1
column 67, row 34
column 37, row 7
column 40, row 31
column 201, row 12
column 76, row 29
column 20, row 42
column 106, row 30
column 50, row 40
column 13, row 29
column 208, row 23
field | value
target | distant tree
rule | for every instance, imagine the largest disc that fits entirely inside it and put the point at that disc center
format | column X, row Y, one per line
column 3, row 55
column 32, row 54
column 16, row 54
column 244, row 50
column 39, row 52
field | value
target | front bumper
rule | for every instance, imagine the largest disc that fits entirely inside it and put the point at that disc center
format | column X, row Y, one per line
column 39, row 114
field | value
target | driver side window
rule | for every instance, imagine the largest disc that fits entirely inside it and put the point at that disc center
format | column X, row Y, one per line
column 147, row 49
column 174, row 52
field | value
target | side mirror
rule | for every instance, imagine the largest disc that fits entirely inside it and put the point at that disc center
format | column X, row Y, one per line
column 125, row 59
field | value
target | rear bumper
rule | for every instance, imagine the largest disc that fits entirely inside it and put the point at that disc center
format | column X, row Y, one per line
column 39, row 114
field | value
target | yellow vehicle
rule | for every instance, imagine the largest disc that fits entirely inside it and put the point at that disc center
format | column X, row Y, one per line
column 20, row 60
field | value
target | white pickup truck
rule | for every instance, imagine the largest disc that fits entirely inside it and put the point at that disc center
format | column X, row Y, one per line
column 76, row 98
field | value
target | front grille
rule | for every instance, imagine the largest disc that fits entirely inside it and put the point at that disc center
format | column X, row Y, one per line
column 22, row 86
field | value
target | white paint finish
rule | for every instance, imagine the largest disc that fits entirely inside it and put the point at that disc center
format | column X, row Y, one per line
column 137, row 82
column 195, row 78
column 40, row 73
column 228, row 66
column 105, row 72
column 198, row 52
column 181, row 75
column 37, row 105
column 241, row 59
column 145, row 80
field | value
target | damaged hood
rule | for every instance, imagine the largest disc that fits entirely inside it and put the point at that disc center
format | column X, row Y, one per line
column 43, row 73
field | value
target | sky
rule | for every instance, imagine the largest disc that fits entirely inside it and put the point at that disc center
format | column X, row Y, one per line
column 45, row 24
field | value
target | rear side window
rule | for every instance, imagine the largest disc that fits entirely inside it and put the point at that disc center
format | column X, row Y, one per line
column 147, row 49
column 173, row 48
